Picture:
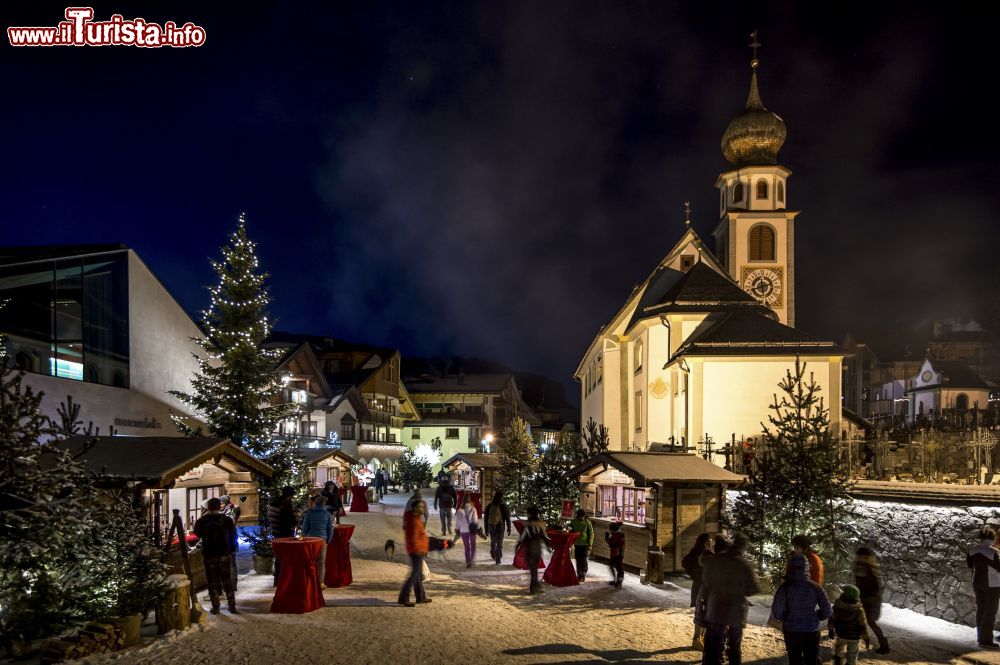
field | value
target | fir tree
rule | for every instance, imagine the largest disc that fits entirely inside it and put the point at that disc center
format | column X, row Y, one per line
column 797, row 483
column 67, row 552
column 237, row 380
column 413, row 470
column 595, row 438
column 518, row 457
column 551, row 485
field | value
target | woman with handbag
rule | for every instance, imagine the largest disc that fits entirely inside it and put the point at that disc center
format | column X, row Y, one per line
column 467, row 525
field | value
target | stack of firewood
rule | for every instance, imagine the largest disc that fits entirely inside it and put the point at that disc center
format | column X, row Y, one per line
column 94, row 638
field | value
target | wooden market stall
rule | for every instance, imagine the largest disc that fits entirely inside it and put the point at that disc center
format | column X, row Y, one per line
column 473, row 472
column 327, row 463
column 664, row 501
column 167, row 473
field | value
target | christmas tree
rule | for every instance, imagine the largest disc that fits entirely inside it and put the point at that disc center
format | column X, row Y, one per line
column 68, row 552
column 518, row 457
column 237, row 380
column 797, row 483
column 550, row 485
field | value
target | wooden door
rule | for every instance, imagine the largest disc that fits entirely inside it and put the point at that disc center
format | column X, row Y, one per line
column 690, row 520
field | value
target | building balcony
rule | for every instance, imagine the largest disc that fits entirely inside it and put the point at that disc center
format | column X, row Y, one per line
column 307, row 440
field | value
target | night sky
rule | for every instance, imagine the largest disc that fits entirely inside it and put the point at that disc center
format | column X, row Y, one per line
column 492, row 178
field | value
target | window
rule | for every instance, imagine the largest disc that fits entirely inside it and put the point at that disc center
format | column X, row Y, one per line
column 609, row 503
column 347, row 431
column 416, row 433
column 195, row 497
column 633, row 505
column 308, row 428
column 451, row 433
column 687, row 261
column 761, row 243
column 476, row 409
column 738, row 192
column 320, row 475
column 300, row 397
column 600, row 368
column 392, row 437
column 962, row 402
column 69, row 318
column 637, row 360
column 638, row 411
column 781, row 191
column 762, row 189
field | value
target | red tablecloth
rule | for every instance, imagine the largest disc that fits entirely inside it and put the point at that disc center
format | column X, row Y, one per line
column 476, row 500
column 560, row 571
column 359, row 502
column 520, row 560
column 189, row 538
column 298, row 586
column 338, row 557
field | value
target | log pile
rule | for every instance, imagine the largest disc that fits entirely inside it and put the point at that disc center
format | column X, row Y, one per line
column 94, row 638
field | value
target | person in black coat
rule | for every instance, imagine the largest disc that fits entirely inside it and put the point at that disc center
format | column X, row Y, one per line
column 333, row 503
column 692, row 564
column 282, row 519
column 727, row 580
column 868, row 579
column 984, row 560
column 218, row 538
column 495, row 519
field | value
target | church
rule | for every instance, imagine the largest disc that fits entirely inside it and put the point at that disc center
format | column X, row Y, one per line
column 694, row 356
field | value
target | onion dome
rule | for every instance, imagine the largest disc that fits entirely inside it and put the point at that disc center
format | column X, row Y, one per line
column 754, row 137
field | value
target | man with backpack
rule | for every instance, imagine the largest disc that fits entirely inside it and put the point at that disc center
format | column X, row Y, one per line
column 497, row 516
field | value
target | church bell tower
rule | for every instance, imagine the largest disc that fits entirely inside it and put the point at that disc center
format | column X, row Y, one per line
column 755, row 237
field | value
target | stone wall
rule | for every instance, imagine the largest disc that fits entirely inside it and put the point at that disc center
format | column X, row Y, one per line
column 922, row 551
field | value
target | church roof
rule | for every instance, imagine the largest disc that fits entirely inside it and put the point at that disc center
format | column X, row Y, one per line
column 753, row 333
column 956, row 374
column 700, row 289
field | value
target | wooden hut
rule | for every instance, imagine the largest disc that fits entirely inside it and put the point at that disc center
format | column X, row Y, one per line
column 474, row 472
column 327, row 463
column 664, row 501
column 169, row 472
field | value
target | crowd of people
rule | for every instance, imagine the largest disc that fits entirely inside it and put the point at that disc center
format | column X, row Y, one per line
column 723, row 580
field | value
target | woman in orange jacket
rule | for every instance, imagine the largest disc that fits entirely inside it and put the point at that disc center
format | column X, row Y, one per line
column 416, row 547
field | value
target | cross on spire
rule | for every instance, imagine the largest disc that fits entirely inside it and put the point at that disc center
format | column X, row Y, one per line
column 687, row 214
column 754, row 44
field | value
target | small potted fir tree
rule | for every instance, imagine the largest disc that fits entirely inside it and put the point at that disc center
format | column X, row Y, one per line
column 259, row 540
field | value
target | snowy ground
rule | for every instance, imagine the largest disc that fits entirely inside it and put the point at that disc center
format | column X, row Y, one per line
column 485, row 615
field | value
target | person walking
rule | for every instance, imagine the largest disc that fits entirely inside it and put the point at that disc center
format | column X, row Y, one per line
column 727, row 580
column 218, row 535
column 800, row 604
column 445, row 499
column 282, row 519
column 416, row 547
column 497, row 515
column 984, row 560
column 334, row 504
column 318, row 523
column 467, row 526
column 692, row 565
column 616, row 551
column 801, row 544
column 584, row 543
column 868, row 579
column 233, row 511
column 416, row 496
column 532, row 538
column 849, row 625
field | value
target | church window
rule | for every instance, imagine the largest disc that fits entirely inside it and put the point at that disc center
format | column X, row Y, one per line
column 687, row 262
column 962, row 402
column 781, row 191
column 761, row 243
column 762, row 189
column 638, row 411
column 638, row 355
column 738, row 192
column 600, row 369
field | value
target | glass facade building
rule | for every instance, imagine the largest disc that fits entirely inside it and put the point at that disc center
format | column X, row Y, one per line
column 68, row 317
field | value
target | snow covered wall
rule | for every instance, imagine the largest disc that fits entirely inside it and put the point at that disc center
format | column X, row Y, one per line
column 922, row 550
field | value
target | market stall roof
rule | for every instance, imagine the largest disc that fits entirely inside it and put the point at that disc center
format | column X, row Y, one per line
column 320, row 453
column 154, row 459
column 648, row 468
column 475, row 460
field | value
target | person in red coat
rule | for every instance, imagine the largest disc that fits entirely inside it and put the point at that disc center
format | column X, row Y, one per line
column 416, row 547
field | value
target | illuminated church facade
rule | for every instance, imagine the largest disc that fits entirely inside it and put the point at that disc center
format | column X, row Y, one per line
column 696, row 353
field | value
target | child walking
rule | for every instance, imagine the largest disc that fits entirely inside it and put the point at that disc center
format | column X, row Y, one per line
column 849, row 625
column 616, row 544
column 531, row 539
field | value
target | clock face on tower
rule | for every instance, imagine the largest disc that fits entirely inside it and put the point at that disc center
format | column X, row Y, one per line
column 764, row 284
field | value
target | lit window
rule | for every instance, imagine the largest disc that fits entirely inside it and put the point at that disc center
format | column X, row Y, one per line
column 638, row 355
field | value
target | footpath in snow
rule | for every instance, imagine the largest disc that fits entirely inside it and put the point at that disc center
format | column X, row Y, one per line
column 485, row 615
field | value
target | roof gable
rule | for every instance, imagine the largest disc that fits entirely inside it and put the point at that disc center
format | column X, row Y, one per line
column 648, row 468
column 947, row 374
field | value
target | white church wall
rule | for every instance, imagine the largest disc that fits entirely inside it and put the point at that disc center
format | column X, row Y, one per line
column 735, row 394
